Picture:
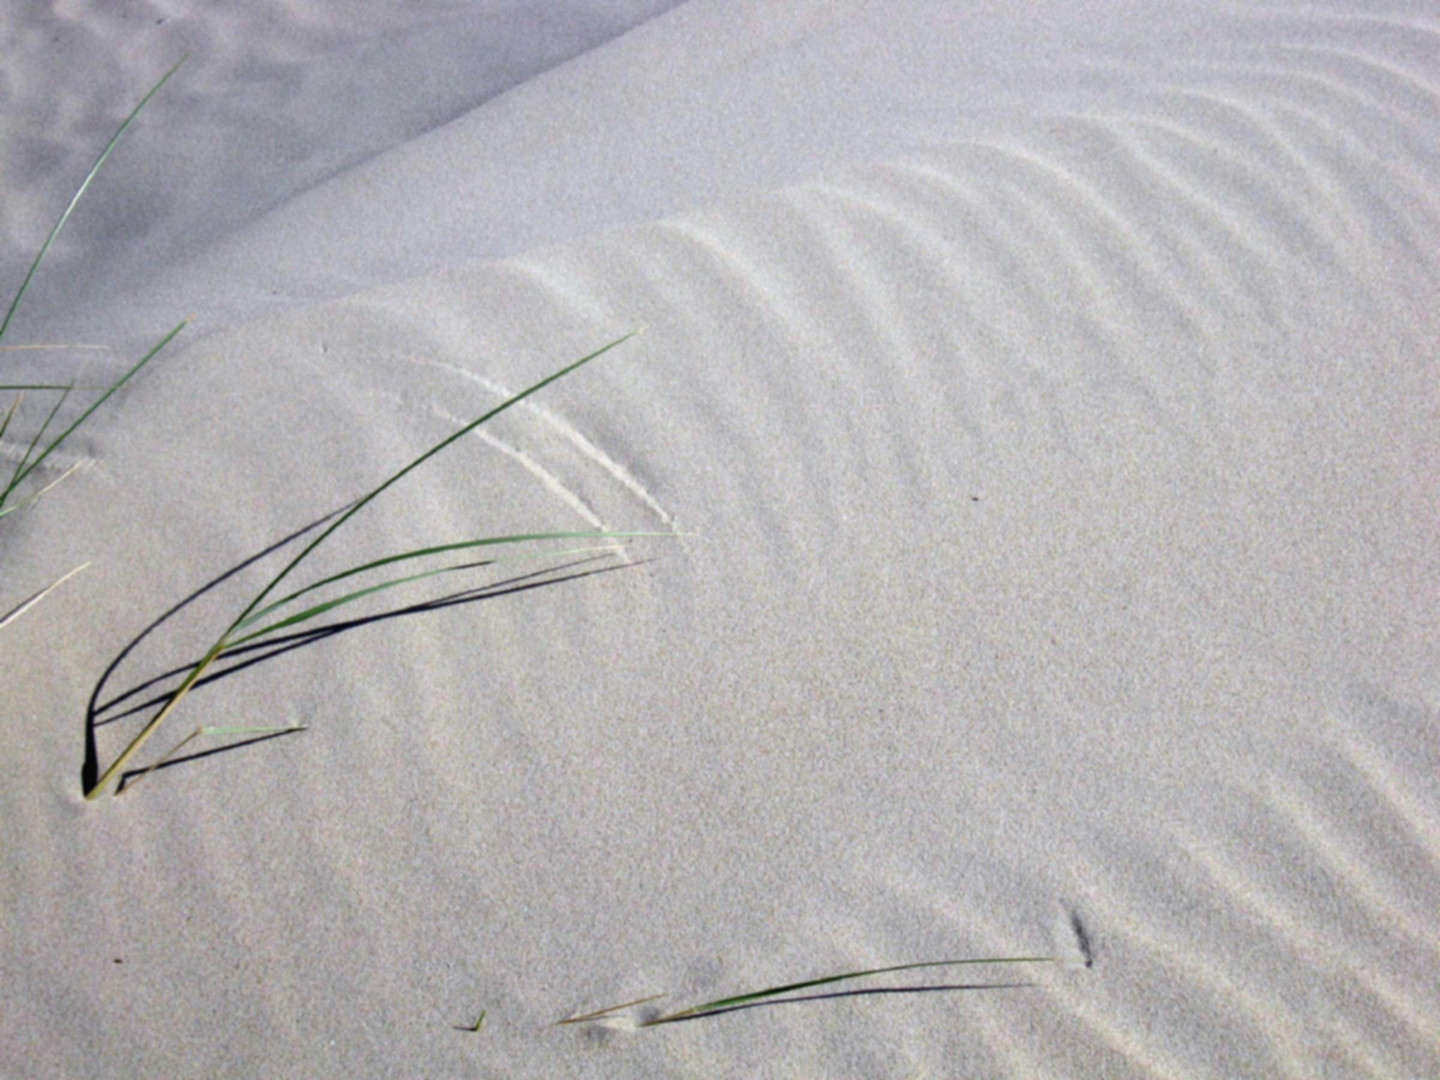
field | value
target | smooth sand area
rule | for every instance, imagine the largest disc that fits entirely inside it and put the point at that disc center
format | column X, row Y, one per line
column 1044, row 401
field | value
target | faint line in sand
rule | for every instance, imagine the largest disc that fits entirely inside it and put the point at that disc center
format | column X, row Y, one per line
column 571, row 435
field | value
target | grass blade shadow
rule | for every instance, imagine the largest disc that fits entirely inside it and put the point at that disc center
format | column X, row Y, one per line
column 258, row 652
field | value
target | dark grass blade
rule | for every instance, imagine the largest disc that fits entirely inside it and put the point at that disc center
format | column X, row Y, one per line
column 75, row 199
column 776, row 991
column 418, row 553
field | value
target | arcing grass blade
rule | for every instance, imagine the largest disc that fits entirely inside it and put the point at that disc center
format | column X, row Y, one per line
column 339, row 601
column 102, row 784
column 45, row 248
column 15, row 613
column 20, row 476
column 418, row 553
column 776, row 991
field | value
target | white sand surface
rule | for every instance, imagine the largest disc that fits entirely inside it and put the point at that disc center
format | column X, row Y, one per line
column 1044, row 399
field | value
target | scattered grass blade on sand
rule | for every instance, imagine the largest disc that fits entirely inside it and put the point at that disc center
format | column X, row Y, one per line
column 600, row 1014
column 254, row 611
column 741, row 1000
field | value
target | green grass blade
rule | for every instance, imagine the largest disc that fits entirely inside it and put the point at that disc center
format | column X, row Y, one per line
column 340, row 601
column 75, row 199
column 100, row 401
column 5, row 424
column 232, row 643
column 418, row 553
column 361, row 503
column 776, row 991
column 329, row 605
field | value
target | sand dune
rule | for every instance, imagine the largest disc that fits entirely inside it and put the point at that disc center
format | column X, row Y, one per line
column 1044, row 406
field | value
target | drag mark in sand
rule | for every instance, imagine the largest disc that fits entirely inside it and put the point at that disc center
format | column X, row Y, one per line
column 570, row 434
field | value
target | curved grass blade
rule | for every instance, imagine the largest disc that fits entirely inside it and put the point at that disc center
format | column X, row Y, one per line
column 418, row 553
column 340, row 601
column 75, row 199
column 118, row 766
column 233, row 645
column 776, row 991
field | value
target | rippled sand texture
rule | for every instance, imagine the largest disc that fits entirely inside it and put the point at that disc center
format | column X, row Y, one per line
column 1046, row 405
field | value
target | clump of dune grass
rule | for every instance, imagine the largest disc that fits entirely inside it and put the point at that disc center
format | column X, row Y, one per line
column 245, row 628
column 37, row 450
column 779, row 994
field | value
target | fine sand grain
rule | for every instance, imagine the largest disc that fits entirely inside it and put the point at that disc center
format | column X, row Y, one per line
column 1044, row 400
